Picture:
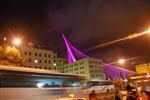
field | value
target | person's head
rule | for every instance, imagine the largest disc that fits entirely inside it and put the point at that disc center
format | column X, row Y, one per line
column 93, row 91
column 143, row 93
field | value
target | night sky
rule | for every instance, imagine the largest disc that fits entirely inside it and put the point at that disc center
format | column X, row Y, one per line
column 86, row 23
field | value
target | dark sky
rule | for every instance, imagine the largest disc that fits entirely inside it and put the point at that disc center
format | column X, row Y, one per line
column 86, row 23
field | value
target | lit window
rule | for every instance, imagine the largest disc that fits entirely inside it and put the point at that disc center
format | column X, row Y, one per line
column 36, row 61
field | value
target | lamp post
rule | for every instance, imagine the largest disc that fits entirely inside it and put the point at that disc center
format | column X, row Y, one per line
column 121, row 61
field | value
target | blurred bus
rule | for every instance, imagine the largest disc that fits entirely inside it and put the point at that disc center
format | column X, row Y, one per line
column 32, row 84
column 99, row 86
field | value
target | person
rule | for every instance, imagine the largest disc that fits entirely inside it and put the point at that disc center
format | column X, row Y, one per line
column 92, row 95
column 145, row 95
column 132, row 95
column 145, row 92
column 117, row 97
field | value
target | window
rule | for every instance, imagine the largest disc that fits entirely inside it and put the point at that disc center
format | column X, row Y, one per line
column 49, row 56
column 49, row 61
column 25, row 53
column 35, row 66
column 29, row 59
column 30, row 53
column 40, row 54
column 35, row 61
column 45, row 61
column 40, row 67
column 35, row 54
column 40, row 61
column 45, row 55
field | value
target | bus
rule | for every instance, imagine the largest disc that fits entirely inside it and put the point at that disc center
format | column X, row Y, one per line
column 99, row 86
column 33, row 84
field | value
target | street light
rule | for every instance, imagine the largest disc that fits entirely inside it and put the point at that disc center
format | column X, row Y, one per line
column 121, row 61
column 16, row 41
column 5, row 39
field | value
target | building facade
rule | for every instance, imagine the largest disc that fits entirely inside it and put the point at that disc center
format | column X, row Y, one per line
column 60, row 63
column 38, row 58
column 91, row 68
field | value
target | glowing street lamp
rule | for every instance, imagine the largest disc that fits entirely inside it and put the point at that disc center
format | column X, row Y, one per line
column 5, row 39
column 16, row 41
column 121, row 61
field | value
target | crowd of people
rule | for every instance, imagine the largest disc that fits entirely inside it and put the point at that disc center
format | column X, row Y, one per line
column 132, row 94
column 128, row 94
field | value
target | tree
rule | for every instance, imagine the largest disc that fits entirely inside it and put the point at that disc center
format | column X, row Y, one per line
column 10, row 56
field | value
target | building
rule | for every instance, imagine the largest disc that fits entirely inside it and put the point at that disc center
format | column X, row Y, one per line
column 143, row 68
column 59, row 65
column 91, row 68
column 38, row 58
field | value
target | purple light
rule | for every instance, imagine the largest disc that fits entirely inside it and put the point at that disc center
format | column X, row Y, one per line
column 109, row 70
column 82, row 55
column 69, row 46
column 115, row 72
column 71, row 58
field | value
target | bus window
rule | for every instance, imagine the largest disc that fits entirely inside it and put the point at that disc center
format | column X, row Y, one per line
column 9, row 79
column 71, row 82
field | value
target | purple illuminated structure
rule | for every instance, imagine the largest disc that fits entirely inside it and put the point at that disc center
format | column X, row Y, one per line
column 70, row 48
column 116, row 72
column 109, row 70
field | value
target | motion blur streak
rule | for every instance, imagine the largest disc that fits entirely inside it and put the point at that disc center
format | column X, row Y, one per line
column 132, row 36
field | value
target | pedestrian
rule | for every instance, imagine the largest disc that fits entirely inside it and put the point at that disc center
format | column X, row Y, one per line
column 117, row 97
column 145, row 95
column 132, row 95
column 92, row 95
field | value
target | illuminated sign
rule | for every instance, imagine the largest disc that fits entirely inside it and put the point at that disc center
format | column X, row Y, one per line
column 144, row 68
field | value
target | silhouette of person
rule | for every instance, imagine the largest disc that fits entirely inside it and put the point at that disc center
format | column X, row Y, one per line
column 92, row 95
